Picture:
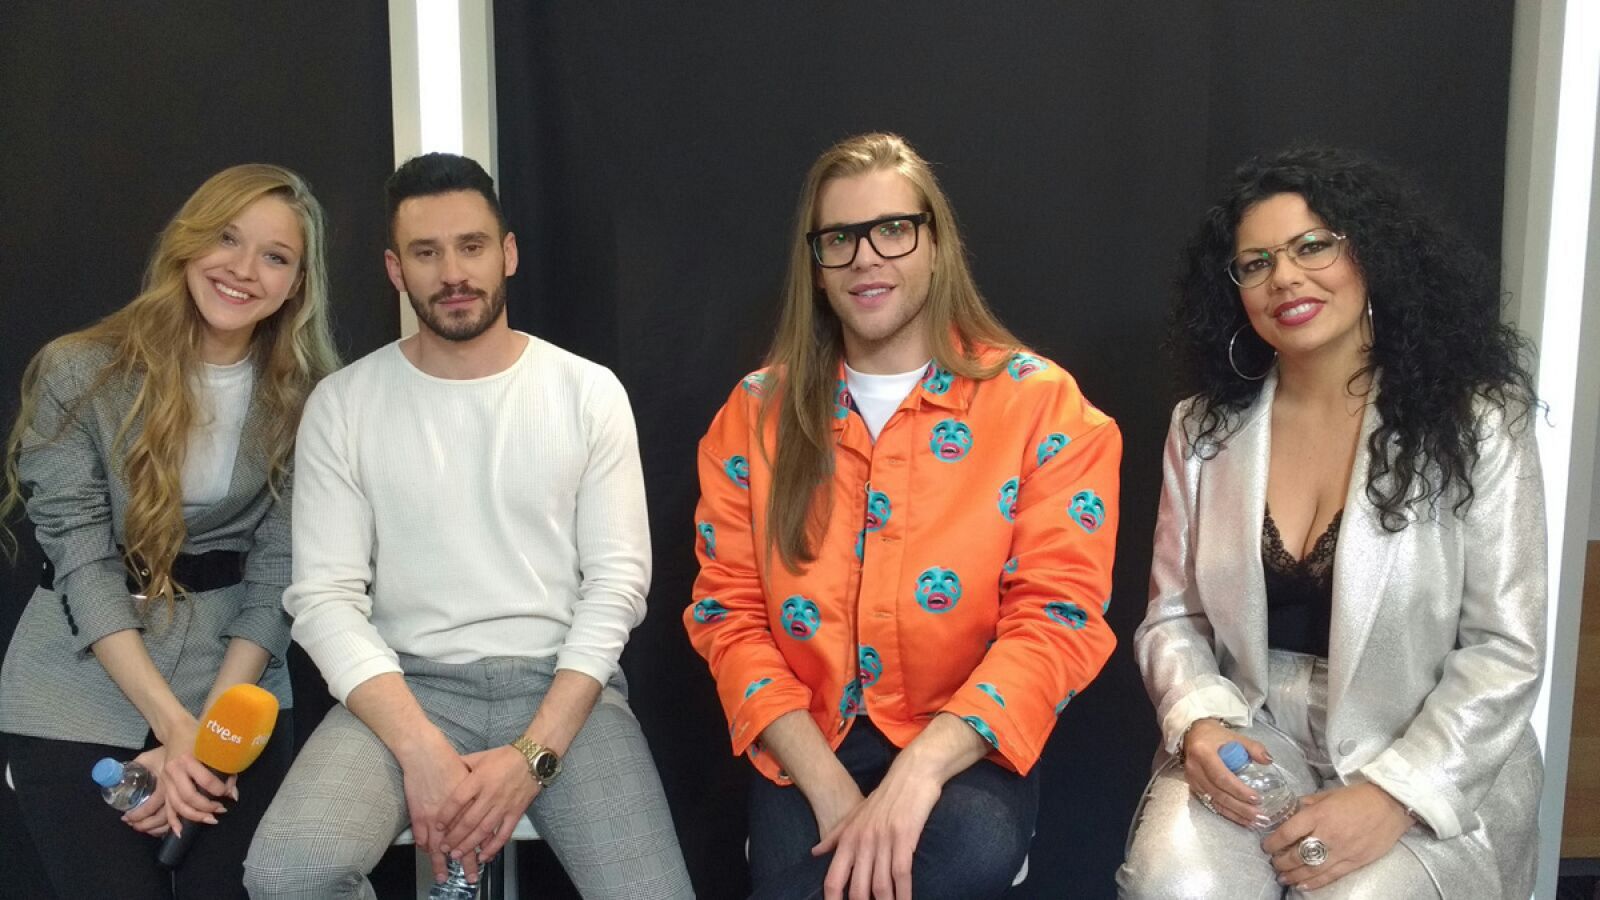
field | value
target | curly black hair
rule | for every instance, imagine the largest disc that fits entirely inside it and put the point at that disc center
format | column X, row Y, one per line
column 1435, row 304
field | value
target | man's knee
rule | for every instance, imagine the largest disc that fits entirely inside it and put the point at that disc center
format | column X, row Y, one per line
column 974, row 845
column 287, row 863
column 278, row 872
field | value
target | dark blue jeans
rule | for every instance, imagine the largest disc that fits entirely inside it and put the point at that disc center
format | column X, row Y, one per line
column 974, row 842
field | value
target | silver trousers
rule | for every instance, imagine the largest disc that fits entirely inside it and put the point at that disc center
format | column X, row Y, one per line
column 1179, row 849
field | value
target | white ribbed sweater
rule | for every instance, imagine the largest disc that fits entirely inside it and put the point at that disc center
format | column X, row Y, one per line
column 497, row 516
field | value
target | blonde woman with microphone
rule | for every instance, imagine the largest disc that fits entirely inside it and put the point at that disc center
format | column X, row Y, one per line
column 152, row 455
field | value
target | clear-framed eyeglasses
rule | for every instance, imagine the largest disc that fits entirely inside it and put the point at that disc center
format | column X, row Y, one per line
column 1316, row 249
column 891, row 237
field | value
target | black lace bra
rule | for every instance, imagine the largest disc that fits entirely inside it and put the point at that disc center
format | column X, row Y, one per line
column 1299, row 591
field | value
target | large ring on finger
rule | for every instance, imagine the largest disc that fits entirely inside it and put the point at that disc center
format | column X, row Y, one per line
column 1313, row 852
column 1205, row 800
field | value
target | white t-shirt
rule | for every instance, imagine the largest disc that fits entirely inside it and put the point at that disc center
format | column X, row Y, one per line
column 878, row 396
column 223, row 399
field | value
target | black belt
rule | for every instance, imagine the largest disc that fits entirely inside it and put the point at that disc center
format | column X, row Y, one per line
column 195, row 572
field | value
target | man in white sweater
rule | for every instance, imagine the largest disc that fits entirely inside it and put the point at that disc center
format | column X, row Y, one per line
column 470, row 553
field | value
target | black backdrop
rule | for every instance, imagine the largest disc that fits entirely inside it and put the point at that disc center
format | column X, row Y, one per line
column 649, row 159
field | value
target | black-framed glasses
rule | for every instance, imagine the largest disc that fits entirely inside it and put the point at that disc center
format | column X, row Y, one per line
column 1316, row 249
column 891, row 237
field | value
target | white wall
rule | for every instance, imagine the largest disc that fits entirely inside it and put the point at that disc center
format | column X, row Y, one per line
column 441, row 63
column 1594, row 504
column 1551, row 259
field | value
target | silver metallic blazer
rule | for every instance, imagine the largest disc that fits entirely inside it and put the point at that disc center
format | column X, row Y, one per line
column 1436, row 647
column 52, row 685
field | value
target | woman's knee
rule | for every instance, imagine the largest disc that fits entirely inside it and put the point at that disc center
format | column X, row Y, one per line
column 1153, row 872
column 1176, row 856
column 1396, row 874
column 1146, row 878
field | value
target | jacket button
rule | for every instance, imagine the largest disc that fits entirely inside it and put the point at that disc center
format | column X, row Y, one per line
column 1347, row 746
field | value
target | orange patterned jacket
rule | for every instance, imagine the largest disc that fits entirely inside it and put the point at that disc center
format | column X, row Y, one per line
column 965, row 566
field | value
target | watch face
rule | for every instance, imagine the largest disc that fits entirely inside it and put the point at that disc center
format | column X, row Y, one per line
column 546, row 765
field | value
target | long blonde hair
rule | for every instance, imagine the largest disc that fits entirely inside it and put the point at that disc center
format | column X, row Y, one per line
column 809, row 344
column 154, row 342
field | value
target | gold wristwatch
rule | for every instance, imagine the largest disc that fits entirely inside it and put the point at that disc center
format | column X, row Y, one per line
column 543, row 763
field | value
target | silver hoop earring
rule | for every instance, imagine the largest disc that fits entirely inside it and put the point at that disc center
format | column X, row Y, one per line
column 1235, row 365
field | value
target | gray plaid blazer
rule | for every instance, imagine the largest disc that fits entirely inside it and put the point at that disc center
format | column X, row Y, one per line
column 51, row 685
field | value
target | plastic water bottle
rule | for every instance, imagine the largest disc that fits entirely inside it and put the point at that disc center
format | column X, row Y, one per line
column 1278, row 799
column 124, row 785
column 455, row 885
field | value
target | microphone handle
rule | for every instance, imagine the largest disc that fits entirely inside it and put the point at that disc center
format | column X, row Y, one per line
column 174, row 846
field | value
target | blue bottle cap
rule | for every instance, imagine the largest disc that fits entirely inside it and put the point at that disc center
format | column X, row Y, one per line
column 1234, row 756
column 107, row 773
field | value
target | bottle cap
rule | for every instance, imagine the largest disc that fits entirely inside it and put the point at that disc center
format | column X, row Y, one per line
column 1234, row 756
column 107, row 773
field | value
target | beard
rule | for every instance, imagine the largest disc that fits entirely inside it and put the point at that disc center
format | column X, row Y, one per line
column 870, row 332
column 464, row 324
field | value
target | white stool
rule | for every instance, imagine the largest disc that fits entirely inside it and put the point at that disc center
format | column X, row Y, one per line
column 496, row 880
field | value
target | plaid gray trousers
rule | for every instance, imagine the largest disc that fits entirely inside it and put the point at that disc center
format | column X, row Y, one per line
column 343, row 801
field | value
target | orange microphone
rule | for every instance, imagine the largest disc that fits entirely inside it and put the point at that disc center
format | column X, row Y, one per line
column 232, row 735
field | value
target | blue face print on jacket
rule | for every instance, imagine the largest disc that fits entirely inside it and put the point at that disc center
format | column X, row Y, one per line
column 1008, row 500
column 1024, row 364
column 861, row 545
column 1010, row 568
column 850, row 702
column 877, row 510
column 938, row 590
column 755, row 383
column 1067, row 613
column 842, row 401
column 801, row 619
column 1088, row 510
column 935, row 380
column 992, row 691
column 738, row 469
column 708, row 534
column 870, row 666
column 1051, row 445
column 1063, row 704
column 709, row 611
column 950, row 440
column 983, row 729
column 756, row 685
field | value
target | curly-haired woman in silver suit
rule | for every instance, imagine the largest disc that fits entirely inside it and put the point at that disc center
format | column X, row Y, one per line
column 1349, row 560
